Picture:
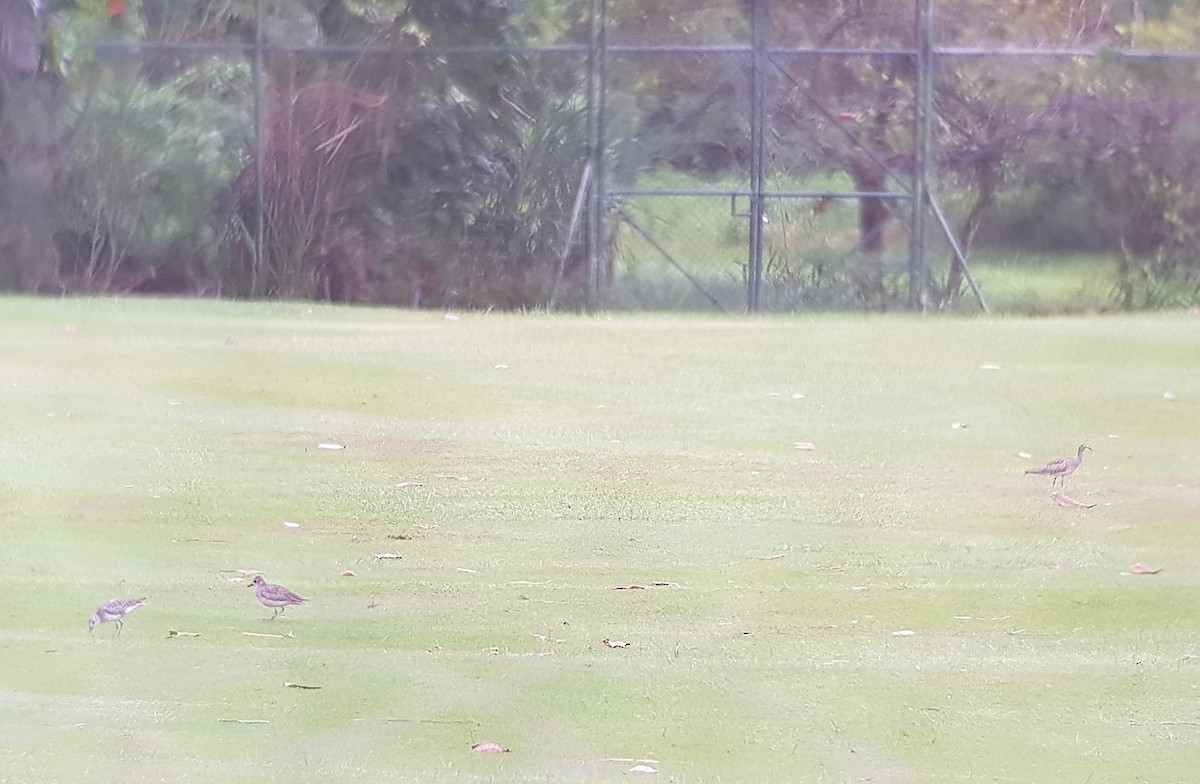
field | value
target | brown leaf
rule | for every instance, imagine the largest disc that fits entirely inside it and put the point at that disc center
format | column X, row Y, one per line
column 1068, row 503
column 488, row 747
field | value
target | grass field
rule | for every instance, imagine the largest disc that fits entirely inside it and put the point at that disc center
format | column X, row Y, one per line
column 151, row 447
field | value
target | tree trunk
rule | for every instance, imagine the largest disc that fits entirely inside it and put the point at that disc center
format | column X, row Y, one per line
column 873, row 213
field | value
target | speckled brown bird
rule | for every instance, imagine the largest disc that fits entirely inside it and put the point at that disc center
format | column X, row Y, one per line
column 274, row 596
column 1061, row 467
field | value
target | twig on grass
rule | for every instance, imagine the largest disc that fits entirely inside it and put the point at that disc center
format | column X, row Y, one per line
column 403, row 720
column 290, row 685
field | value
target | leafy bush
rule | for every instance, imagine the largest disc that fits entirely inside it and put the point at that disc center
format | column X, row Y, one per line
column 137, row 182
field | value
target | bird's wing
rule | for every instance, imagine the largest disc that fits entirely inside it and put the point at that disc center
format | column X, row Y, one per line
column 1051, row 467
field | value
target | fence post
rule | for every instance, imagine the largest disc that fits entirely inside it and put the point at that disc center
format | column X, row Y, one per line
column 597, row 80
column 260, row 137
column 918, row 263
column 760, row 33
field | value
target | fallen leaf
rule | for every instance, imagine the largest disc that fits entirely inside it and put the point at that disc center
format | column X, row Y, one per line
column 1141, row 568
column 488, row 747
column 616, row 643
column 333, row 447
column 349, row 573
column 1067, row 503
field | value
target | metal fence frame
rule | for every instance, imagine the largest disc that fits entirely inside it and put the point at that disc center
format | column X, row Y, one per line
column 598, row 197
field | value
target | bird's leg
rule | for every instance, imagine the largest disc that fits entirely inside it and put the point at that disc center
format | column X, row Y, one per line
column 119, row 627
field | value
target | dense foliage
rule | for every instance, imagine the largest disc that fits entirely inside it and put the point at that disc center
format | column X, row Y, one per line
column 417, row 152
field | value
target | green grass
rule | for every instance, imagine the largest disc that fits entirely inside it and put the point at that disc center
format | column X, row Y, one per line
column 150, row 446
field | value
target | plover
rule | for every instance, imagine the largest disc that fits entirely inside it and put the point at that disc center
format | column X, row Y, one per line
column 1060, row 467
column 274, row 596
column 114, row 610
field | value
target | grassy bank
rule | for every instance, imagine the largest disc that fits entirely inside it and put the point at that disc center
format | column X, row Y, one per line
column 526, row 467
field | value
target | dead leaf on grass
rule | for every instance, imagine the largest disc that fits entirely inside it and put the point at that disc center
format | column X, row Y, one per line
column 1141, row 568
column 488, row 747
column 1067, row 503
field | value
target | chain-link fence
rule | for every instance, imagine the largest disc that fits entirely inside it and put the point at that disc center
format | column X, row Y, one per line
column 682, row 154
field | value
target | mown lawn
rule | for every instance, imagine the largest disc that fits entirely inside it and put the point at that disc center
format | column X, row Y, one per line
column 152, row 448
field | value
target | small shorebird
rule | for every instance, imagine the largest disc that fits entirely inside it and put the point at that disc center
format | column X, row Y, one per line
column 1060, row 467
column 274, row 596
column 114, row 610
